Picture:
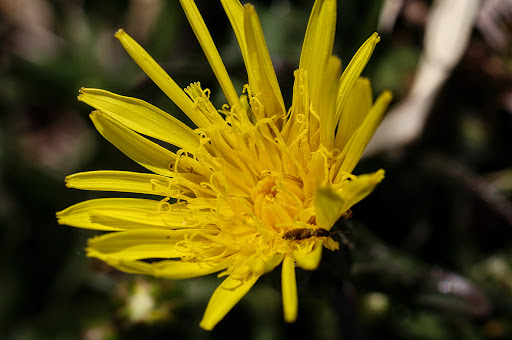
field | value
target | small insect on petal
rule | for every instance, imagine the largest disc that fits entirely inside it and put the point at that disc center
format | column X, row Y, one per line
column 304, row 233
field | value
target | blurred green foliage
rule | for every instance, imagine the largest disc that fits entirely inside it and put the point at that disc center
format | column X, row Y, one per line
column 428, row 254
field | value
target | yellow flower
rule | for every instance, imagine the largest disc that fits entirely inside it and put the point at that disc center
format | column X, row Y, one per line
column 254, row 185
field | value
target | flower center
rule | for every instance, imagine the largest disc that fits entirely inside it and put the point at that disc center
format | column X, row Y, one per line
column 266, row 188
column 277, row 200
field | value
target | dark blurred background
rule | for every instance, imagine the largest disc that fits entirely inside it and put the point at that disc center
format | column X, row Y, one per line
column 428, row 254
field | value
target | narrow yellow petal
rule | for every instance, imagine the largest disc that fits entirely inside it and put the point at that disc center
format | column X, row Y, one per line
column 143, row 151
column 262, row 76
column 272, row 263
column 328, row 206
column 113, row 214
column 225, row 297
column 353, row 150
column 260, row 266
column 261, row 73
column 309, row 259
column 289, row 290
column 212, row 54
column 141, row 117
column 317, row 47
column 353, row 71
column 138, row 244
column 132, row 217
column 359, row 188
column 354, row 111
column 318, row 168
column 121, row 181
column 183, row 270
column 78, row 215
column 162, row 79
column 327, row 105
column 235, row 12
column 168, row 269
column 180, row 187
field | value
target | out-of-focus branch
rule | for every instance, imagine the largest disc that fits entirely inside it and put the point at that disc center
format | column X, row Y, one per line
column 142, row 17
column 479, row 187
column 447, row 35
column 389, row 14
column 492, row 21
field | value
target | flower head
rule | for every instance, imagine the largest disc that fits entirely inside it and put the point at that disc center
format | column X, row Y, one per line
column 255, row 185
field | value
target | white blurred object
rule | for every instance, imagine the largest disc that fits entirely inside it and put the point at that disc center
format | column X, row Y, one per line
column 141, row 303
column 447, row 34
column 389, row 14
column 142, row 17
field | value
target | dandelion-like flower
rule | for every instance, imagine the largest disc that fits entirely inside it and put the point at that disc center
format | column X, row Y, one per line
column 255, row 185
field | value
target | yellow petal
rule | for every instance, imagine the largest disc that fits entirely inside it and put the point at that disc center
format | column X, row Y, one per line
column 289, row 289
column 181, row 186
column 162, row 79
column 327, row 105
column 225, row 297
column 235, row 12
column 262, row 76
column 113, row 214
column 317, row 47
column 300, row 107
column 210, row 51
column 143, row 151
column 353, row 71
column 359, row 188
column 272, row 263
column 262, row 265
column 139, row 244
column 141, row 117
column 308, row 258
column 168, row 269
column 330, row 244
column 318, row 168
column 357, row 106
column 354, row 149
column 328, row 206
column 121, row 181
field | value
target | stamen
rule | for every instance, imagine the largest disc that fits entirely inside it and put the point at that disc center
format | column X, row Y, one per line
column 164, row 205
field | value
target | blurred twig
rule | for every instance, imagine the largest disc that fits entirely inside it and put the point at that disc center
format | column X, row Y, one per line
column 494, row 21
column 428, row 286
column 471, row 182
column 447, row 34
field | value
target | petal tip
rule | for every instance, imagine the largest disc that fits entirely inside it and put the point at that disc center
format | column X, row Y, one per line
column 249, row 7
column 381, row 173
column 290, row 318
column 120, row 32
column 80, row 93
column 387, row 95
column 58, row 214
column 206, row 326
column 67, row 180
